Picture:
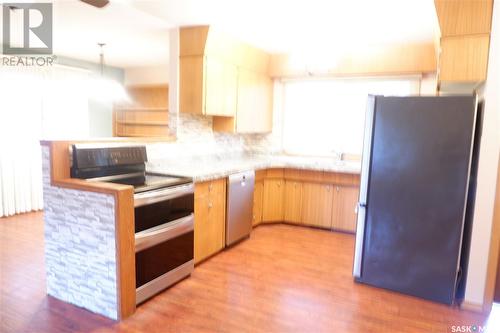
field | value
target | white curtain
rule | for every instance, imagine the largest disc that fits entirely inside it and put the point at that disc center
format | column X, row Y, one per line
column 35, row 103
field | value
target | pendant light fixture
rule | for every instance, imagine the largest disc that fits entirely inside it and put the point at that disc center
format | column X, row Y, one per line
column 105, row 89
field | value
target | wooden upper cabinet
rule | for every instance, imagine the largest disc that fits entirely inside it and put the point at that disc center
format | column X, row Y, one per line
column 464, row 17
column 220, row 87
column 224, row 78
column 192, row 84
column 273, row 200
column 317, row 201
column 464, row 58
column 293, row 201
column 465, row 34
column 208, row 86
column 345, row 199
column 254, row 111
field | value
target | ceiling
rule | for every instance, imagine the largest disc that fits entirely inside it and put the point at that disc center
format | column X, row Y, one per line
column 136, row 31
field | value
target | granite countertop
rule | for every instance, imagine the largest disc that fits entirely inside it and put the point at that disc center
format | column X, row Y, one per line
column 202, row 169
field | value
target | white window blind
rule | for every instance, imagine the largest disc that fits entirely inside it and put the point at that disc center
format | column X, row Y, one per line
column 36, row 103
column 325, row 116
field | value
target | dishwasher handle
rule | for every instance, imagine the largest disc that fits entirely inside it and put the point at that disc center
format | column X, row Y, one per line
column 243, row 178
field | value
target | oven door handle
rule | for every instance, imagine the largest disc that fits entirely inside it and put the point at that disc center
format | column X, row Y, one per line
column 151, row 197
column 164, row 232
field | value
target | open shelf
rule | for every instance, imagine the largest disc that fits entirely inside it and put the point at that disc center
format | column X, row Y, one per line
column 141, row 109
column 142, row 122
column 146, row 116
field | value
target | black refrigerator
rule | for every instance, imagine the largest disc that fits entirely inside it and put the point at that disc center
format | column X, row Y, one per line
column 416, row 170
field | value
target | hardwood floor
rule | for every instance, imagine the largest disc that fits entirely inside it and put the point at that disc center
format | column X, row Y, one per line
column 283, row 279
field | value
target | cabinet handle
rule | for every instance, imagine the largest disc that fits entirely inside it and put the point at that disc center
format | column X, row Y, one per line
column 328, row 188
column 210, row 205
column 210, row 188
column 279, row 184
column 337, row 188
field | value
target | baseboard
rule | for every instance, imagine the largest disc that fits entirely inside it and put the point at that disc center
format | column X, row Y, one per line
column 471, row 306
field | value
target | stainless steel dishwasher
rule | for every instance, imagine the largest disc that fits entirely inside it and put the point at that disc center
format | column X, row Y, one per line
column 239, row 206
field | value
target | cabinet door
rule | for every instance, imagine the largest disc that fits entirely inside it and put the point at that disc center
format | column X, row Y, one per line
column 272, row 210
column 217, row 220
column 191, row 84
column 264, row 115
column 257, row 203
column 254, row 110
column 220, row 87
column 209, row 219
column 201, row 229
column 317, row 200
column 464, row 58
column 344, row 203
column 293, row 201
column 247, row 113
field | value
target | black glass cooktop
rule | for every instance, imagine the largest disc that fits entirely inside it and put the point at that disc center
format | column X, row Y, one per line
column 152, row 181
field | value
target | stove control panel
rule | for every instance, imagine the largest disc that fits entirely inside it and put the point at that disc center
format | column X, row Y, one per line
column 97, row 157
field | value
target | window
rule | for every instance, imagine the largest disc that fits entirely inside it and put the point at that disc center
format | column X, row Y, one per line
column 323, row 116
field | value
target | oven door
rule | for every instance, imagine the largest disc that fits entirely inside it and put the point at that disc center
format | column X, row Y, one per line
column 154, row 208
column 164, row 255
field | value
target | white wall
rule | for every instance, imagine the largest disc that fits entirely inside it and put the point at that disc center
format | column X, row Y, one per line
column 173, row 80
column 147, row 75
column 428, row 84
column 100, row 112
column 488, row 164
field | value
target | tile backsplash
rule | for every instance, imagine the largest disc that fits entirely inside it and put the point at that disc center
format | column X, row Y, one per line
column 195, row 138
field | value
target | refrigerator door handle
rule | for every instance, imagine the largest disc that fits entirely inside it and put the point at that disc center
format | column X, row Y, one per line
column 360, row 232
column 363, row 188
column 358, row 206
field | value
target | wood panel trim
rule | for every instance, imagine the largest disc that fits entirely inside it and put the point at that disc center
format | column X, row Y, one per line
column 112, row 140
column 400, row 59
column 470, row 306
column 125, row 252
column 494, row 255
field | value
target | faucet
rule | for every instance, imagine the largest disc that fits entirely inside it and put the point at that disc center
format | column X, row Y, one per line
column 337, row 155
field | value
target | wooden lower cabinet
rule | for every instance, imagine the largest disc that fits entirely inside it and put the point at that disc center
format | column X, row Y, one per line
column 314, row 198
column 293, row 201
column 209, row 218
column 257, row 202
column 317, row 203
column 345, row 199
column 273, row 200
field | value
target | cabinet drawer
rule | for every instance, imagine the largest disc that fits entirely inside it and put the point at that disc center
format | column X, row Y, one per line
column 341, row 178
column 311, row 175
column 292, row 174
column 211, row 187
column 260, row 175
column 275, row 173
